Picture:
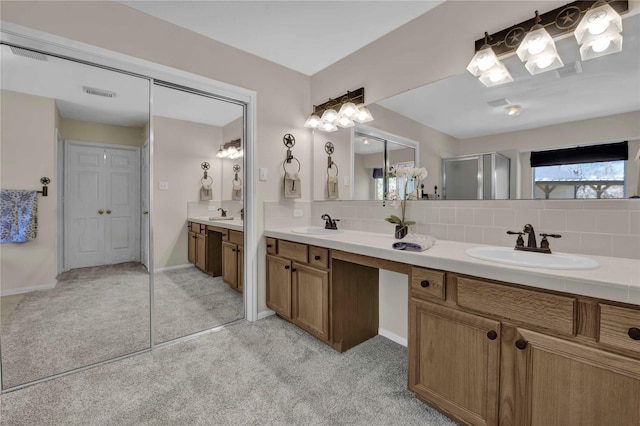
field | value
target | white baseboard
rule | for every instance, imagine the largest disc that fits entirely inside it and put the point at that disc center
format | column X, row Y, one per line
column 393, row 337
column 174, row 268
column 265, row 314
column 13, row 291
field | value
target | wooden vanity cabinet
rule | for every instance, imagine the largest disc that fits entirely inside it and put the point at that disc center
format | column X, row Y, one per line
column 486, row 352
column 197, row 245
column 233, row 260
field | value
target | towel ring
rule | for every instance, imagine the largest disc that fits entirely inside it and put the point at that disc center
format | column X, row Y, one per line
column 207, row 179
column 284, row 164
column 329, row 168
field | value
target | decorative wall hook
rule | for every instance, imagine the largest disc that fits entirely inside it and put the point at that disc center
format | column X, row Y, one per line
column 236, row 170
column 289, row 141
column 44, row 181
column 205, row 166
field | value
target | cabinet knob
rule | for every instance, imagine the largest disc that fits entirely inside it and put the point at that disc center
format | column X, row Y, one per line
column 287, row 266
column 108, row 211
column 100, row 211
column 424, row 283
column 634, row 333
column 521, row 344
column 316, row 257
column 293, row 270
column 269, row 245
column 492, row 335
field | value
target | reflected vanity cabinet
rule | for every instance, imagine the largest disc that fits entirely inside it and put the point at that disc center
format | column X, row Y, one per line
column 298, row 285
column 233, row 260
column 489, row 353
column 204, row 247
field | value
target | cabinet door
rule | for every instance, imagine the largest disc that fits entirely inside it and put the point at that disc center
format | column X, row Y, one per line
column 191, row 251
column 230, row 264
column 279, row 285
column 240, row 272
column 566, row 383
column 454, row 361
column 201, row 252
column 310, row 288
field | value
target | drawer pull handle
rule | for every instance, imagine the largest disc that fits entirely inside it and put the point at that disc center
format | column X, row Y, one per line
column 316, row 257
column 521, row 344
column 425, row 283
column 634, row 333
column 492, row 335
column 287, row 266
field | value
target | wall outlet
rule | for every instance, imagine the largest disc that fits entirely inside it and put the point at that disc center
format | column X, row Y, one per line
column 163, row 185
column 297, row 212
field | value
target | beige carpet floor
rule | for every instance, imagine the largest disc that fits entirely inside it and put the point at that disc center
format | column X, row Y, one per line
column 264, row 373
column 99, row 313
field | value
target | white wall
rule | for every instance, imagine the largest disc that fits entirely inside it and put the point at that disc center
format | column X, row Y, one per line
column 27, row 153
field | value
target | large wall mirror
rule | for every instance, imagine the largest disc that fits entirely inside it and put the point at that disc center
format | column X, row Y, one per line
column 78, row 293
column 189, row 129
column 584, row 103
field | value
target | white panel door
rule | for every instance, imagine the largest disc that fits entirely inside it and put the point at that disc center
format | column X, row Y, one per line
column 101, row 205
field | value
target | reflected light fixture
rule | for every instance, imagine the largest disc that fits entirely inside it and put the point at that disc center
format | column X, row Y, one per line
column 340, row 112
column 486, row 65
column 538, row 50
column 598, row 33
column 231, row 150
column 513, row 110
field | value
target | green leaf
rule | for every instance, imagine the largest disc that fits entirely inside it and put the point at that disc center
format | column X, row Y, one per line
column 409, row 222
column 393, row 219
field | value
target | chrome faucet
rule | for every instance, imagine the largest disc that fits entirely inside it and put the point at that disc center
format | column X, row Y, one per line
column 223, row 212
column 329, row 223
column 532, row 244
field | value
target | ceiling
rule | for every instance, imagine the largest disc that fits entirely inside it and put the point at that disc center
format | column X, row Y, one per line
column 306, row 36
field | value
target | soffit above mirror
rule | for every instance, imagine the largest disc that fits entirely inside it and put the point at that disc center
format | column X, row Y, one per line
column 461, row 106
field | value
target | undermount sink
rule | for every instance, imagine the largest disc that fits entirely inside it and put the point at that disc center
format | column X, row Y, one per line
column 221, row 218
column 529, row 259
column 314, row 230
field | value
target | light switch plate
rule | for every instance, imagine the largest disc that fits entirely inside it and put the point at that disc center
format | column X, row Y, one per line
column 346, row 180
column 163, row 185
column 264, row 174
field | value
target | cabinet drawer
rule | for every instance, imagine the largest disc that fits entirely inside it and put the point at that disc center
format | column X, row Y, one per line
column 197, row 228
column 236, row 237
column 272, row 248
column 293, row 251
column 617, row 327
column 319, row 257
column 540, row 309
column 426, row 282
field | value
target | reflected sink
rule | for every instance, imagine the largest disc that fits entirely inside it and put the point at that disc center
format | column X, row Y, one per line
column 221, row 218
column 315, row 230
column 529, row 259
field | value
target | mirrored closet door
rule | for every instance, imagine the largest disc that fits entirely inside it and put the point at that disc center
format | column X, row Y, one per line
column 76, row 292
column 198, row 226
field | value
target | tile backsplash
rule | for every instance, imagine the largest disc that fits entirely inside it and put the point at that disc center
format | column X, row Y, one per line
column 595, row 227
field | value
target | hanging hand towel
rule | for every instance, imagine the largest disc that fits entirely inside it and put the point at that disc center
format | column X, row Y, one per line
column 332, row 187
column 415, row 242
column 206, row 193
column 292, row 186
column 19, row 215
column 236, row 192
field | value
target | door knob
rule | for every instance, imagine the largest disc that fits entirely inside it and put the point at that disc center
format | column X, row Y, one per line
column 100, row 211
column 108, row 211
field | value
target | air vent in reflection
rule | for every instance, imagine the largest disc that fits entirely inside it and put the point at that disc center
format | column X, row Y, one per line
column 499, row 102
column 570, row 69
column 98, row 92
column 28, row 53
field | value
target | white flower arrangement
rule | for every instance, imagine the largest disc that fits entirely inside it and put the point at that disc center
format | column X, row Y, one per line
column 417, row 173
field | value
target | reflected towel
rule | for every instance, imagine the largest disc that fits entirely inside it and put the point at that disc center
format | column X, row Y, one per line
column 415, row 242
column 292, row 186
column 19, row 215
column 236, row 191
column 206, row 193
column 332, row 187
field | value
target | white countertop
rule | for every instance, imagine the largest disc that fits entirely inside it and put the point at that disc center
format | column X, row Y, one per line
column 616, row 279
column 235, row 224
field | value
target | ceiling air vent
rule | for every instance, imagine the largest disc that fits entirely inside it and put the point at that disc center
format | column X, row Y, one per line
column 499, row 103
column 98, row 92
column 28, row 53
column 569, row 69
